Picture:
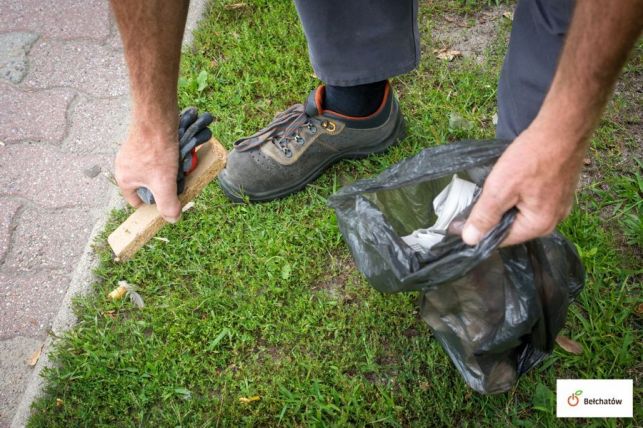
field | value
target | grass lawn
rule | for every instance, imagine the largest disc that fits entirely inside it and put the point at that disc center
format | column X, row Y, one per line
column 264, row 300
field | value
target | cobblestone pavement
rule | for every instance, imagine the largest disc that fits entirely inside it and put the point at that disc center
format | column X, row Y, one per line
column 64, row 98
column 64, row 108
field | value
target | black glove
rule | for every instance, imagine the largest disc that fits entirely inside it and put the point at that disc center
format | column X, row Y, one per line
column 193, row 131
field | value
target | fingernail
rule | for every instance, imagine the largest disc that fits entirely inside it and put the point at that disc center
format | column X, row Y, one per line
column 471, row 235
column 172, row 220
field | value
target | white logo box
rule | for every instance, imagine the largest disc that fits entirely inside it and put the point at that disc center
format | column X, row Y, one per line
column 594, row 398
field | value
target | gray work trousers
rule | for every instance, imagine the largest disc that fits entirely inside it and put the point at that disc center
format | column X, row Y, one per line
column 353, row 42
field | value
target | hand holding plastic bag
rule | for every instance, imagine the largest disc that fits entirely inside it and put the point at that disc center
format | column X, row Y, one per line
column 496, row 311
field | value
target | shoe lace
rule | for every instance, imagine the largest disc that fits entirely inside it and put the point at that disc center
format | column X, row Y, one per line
column 283, row 130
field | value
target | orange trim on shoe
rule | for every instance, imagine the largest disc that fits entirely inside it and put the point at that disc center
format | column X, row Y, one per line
column 319, row 97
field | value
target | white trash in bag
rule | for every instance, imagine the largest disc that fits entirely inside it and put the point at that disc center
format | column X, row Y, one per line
column 450, row 202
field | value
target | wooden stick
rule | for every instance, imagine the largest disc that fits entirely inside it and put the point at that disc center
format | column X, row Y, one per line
column 143, row 224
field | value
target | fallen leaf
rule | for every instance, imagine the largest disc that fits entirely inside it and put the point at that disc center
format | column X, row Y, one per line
column 448, row 18
column 188, row 206
column 424, row 386
column 235, row 6
column 247, row 400
column 569, row 345
column 447, row 54
column 35, row 356
column 587, row 161
column 639, row 309
column 509, row 15
column 59, row 402
column 111, row 314
column 158, row 238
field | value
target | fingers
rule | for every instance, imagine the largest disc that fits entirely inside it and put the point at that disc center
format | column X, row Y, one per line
column 131, row 197
column 487, row 212
column 528, row 226
column 167, row 202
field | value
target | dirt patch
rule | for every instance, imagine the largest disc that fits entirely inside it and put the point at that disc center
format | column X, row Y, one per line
column 333, row 282
column 470, row 35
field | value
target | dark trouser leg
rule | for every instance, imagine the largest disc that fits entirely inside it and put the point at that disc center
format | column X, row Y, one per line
column 537, row 38
column 353, row 42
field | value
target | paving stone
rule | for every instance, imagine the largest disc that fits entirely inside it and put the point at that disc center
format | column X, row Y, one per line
column 89, row 67
column 114, row 40
column 34, row 116
column 64, row 19
column 8, row 210
column 52, row 239
column 14, row 356
column 97, row 125
column 13, row 55
column 52, row 179
column 29, row 301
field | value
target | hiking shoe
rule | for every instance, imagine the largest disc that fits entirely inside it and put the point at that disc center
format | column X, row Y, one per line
column 301, row 142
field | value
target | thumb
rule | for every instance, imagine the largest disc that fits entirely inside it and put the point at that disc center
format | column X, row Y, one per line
column 486, row 213
column 167, row 202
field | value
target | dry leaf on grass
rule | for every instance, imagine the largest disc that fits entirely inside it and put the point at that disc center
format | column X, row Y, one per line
column 447, row 54
column 235, row 6
column 158, row 238
column 247, row 400
column 111, row 314
column 587, row 161
column 35, row 357
column 59, row 402
column 569, row 345
column 188, row 206
column 509, row 15
column 639, row 309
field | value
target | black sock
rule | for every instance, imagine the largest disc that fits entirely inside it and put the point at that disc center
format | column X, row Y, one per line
column 359, row 101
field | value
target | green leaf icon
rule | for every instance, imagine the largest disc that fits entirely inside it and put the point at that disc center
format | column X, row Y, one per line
column 579, row 392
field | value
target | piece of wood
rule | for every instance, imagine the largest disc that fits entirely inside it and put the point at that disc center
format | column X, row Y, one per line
column 146, row 221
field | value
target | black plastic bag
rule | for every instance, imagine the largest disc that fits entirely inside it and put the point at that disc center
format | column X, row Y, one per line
column 496, row 311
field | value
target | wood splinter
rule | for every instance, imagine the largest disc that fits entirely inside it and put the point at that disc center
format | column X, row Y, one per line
column 146, row 221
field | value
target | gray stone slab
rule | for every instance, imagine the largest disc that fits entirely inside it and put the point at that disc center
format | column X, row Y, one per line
column 33, row 116
column 13, row 55
column 48, row 239
column 90, row 67
column 14, row 373
column 62, row 19
column 97, row 125
column 8, row 209
column 51, row 178
column 29, row 301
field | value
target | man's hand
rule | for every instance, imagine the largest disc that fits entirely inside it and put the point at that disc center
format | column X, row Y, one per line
column 150, row 159
column 539, row 171
column 537, row 174
column 151, row 31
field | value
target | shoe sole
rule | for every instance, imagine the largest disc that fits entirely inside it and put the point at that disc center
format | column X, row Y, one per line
column 235, row 196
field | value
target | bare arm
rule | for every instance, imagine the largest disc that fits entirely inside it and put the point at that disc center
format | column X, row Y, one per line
column 152, row 32
column 539, row 171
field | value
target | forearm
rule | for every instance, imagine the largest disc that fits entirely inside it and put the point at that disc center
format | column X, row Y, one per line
column 601, row 34
column 152, row 32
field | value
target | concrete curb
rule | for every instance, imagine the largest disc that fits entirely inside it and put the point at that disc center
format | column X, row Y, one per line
column 80, row 284
column 83, row 277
